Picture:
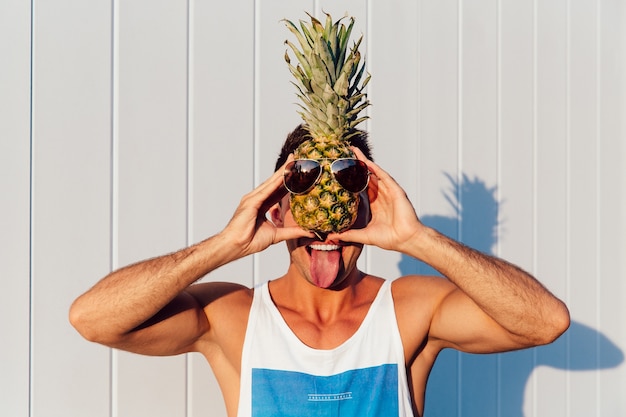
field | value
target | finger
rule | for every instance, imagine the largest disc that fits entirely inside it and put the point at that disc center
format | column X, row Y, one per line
column 372, row 166
column 273, row 198
column 372, row 189
column 349, row 235
column 292, row 232
column 361, row 156
column 270, row 191
column 273, row 181
column 277, row 181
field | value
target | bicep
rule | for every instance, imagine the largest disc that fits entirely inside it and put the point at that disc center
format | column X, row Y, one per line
column 459, row 323
column 175, row 329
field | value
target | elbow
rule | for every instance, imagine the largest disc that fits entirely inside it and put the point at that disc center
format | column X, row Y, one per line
column 556, row 322
column 78, row 320
column 559, row 321
column 87, row 326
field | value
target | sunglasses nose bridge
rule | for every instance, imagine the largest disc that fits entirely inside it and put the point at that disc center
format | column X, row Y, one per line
column 327, row 168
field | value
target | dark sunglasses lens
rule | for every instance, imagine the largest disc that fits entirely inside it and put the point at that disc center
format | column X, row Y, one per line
column 301, row 175
column 352, row 174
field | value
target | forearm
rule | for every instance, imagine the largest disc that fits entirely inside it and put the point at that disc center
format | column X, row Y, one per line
column 128, row 297
column 509, row 295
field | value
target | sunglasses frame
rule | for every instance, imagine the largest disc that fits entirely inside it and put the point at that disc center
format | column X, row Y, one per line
column 332, row 172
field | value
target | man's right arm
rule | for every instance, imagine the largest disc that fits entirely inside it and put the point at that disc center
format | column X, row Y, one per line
column 146, row 307
column 151, row 308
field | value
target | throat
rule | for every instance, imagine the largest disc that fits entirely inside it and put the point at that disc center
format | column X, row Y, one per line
column 323, row 331
column 323, row 319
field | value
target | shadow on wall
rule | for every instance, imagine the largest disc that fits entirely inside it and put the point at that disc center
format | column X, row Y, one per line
column 494, row 385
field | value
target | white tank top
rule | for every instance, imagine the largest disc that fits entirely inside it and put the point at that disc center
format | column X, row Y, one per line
column 364, row 376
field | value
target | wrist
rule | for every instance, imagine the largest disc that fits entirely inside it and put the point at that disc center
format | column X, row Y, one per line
column 219, row 249
column 421, row 243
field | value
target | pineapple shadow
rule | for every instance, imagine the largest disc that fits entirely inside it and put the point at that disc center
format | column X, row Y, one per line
column 495, row 385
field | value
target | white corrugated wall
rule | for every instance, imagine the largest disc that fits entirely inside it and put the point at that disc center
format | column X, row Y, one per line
column 132, row 128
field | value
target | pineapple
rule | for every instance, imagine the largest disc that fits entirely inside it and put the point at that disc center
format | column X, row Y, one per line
column 327, row 79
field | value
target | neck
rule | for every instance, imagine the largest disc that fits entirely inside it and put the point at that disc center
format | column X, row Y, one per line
column 296, row 291
column 323, row 318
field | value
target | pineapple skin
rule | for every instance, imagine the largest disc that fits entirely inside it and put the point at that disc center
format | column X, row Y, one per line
column 328, row 207
column 329, row 81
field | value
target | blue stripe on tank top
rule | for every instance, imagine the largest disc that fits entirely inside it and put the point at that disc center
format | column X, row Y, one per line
column 356, row 393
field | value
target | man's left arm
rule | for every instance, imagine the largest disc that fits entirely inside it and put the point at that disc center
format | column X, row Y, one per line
column 493, row 305
column 488, row 305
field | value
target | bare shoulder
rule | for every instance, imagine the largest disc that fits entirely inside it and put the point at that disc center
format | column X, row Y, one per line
column 216, row 296
column 227, row 307
column 426, row 289
column 416, row 299
column 225, row 304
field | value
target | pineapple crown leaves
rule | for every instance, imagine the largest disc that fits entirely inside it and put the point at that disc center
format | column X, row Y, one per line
column 329, row 76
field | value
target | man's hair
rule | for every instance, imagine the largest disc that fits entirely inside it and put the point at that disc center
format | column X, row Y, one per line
column 300, row 134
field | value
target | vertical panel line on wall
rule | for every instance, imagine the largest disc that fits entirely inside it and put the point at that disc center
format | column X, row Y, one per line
column 31, row 217
column 189, row 237
column 568, row 189
column 598, row 134
column 189, row 174
column 418, row 113
column 114, row 232
column 498, row 176
column 459, row 110
column 256, row 133
column 459, row 174
column 534, row 183
column 368, row 122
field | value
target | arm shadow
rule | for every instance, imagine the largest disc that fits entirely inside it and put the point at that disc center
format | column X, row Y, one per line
column 494, row 385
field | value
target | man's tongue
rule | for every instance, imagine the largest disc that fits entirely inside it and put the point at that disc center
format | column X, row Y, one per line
column 324, row 267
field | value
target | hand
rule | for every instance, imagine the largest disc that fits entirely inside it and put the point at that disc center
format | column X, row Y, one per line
column 250, row 227
column 394, row 221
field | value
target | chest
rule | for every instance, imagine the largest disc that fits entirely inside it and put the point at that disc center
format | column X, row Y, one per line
column 316, row 366
column 319, row 333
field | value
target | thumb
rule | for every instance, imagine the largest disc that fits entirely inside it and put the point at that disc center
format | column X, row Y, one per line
column 291, row 232
column 350, row 235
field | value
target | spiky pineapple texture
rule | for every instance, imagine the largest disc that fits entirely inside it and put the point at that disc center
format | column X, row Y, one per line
column 328, row 77
column 330, row 83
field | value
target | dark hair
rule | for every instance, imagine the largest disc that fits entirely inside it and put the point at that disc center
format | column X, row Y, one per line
column 300, row 134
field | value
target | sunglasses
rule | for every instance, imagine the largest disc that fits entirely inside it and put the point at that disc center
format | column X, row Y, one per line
column 302, row 175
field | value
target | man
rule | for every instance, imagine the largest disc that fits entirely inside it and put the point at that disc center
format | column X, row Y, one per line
column 360, row 345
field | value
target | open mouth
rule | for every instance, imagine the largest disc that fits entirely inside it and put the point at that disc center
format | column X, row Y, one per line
column 323, row 246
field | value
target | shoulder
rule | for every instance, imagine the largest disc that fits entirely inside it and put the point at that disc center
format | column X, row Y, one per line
column 211, row 295
column 423, row 288
column 416, row 297
column 416, row 300
column 226, row 307
column 223, row 303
